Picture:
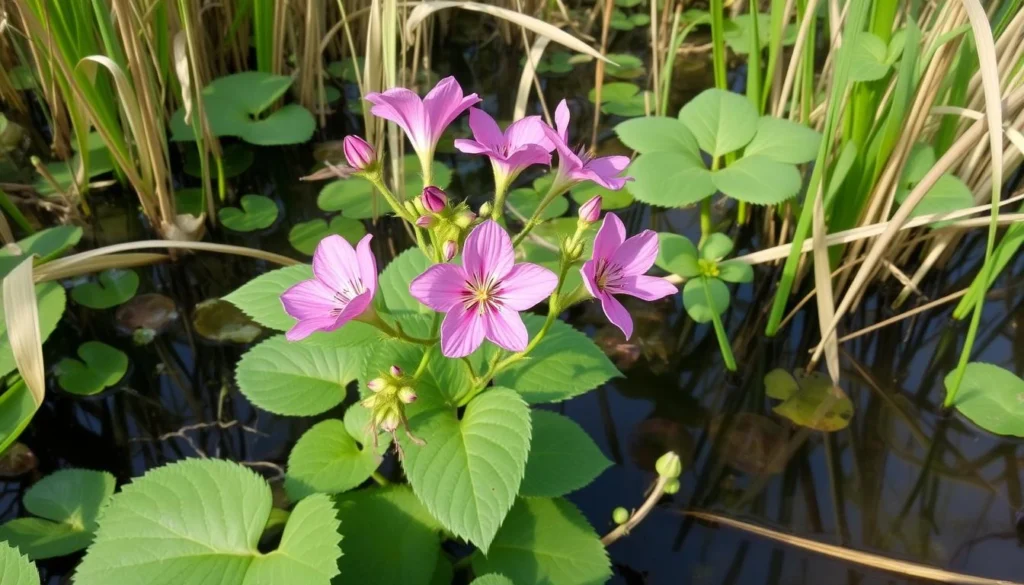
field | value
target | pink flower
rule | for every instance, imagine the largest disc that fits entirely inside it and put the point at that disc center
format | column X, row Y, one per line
column 343, row 287
column 590, row 211
column 579, row 166
column 524, row 143
column 358, row 152
column 618, row 267
column 483, row 297
column 422, row 120
column 433, row 199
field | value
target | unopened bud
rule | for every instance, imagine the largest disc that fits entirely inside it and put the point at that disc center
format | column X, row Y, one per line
column 465, row 219
column 433, row 199
column 390, row 422
column 397, row 372
column 370, row 401
column 575, row 251
column 425, row 221
column 591, row 210
column 669, row 465
column 620, row 515
column 376, row 384
column 485, row 209
column 450, row 250
column 358, row 152
column 407, row 395
column 671, row 487
column 412, row 209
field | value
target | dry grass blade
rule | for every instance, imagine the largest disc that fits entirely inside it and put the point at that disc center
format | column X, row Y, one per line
column 130, row 260
column 875, row 561
column 823, row 284
column 22, row 320
column 181, row 68
column 527, row 78
column 537, row 26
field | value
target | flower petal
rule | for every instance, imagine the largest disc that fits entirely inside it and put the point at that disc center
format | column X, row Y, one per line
column 367, row 264
column 605, row 171
column 305, row 328
column 526, row 285
column 528, row 131
column 488, row 253
column 440, row 287
column 562, row 121
column 442, row 105
column 617, row 314
column 309, row 299
column 403, row 107
column 335, row 264
column 589, row 274
column 462, row 332
column 525, row 157
column 471, row 146
column 485, row 129
column 609, row 237
column 648, row 288
column 505, row 328
column 637, row 254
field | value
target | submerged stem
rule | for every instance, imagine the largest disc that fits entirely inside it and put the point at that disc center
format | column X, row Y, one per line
column 723, row 337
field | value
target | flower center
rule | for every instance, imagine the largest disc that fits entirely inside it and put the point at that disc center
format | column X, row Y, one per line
column 607, row 275
column 481, row 296
column 344, row 296
column 708, row 268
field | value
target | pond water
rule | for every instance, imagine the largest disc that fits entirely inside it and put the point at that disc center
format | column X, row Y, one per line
column 904, row 479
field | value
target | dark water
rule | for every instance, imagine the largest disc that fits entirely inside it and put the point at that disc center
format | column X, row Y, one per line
column 903, row 479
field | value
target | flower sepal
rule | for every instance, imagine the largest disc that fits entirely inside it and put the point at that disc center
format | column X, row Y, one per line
column 391, row 392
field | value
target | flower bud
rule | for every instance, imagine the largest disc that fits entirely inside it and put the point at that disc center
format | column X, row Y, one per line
column 358, row 152
column 425, row 221
column 370, row 401
column 397, row 372
column 620, row 515
column 669, row 465
column 671, row 487
column 575, row 251
column 485, row 209
column 450, row 250
column 465, row 219
column 591, row 210
column 376, row 384
column 433, row 199
column 389, row 423
column 407, row 395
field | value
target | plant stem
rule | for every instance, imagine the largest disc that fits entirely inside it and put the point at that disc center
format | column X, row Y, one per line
column 718, row 42
column 12, row 210
column 638, row 516
column 425, row 360
column 535, row 219
column 723, row 337
column 380, row 479
column 372, row 318
column 500, row 190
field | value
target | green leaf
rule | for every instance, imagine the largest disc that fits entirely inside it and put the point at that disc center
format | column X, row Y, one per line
column 260, row 298
column 394, row 281
column 437, row 389
column 697, row 302
column 626, row 66
column 563, row 457
column 50, row 301
column 780, row 384
column 258, row 212
column 525, row 202
column 620, row 98
column 101, row 367
column 948, row 194
column 390, row 538
column 236, row 160
column 677, row 254
column 784, row 141
column 47, row 244
column 305, row 236
column 235, row 106
column 63, row 173
column 17, row 407
column 716, row 247
column 469, row 471
column 619, row 21
column 721, row 121
column 920, row 160
column 201, row 519
column 297, row 379
column 115, row 286
column 610, row 200
column 346, row 68
column 189, row 201
column 355, row 197
column 670, row 179
column 566, row 363
column 328, row 460
column 758, row 180
column 546, row 541
column 991, row 397
column 735, row 271
column 815, row 404
column 64, row 506
column 868, row 58
column 16, row 569
column 657, row 134
column 492, row 579
column 222, row 322
column 738, row 36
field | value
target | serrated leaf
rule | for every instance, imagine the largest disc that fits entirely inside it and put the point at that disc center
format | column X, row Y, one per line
column 16, row 569
column 784, row 141
column 566, row 363
column 64, row 505
column 563, row 458
column 721, row 121
column 492, row 579
column 257, row 212
column 868, row 58
column 758, row 180
column 260, row 298
column 328, row 460
column 51, row 300
column 546, row 541
column 305, row 236
column 297, row 379
column 199, row 521
column 355, row 198
column 657, row 134
column 390, row 538
column 700, row 303
column 115, row 286
column 469, row 471
column 991, row 397
column 670, row 179
column 101, row 366
column 395, row 279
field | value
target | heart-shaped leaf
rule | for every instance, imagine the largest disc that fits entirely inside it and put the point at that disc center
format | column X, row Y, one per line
column 101, row 367
column 716, row 247
column 758, row 180
column 328, row 459
column 354, row 197
column 670, row 179
column 620, row 99
column 784, row 141
column 677, row 254
column 16, row 569
column 221, row 321
column 658, row 133
column 721, row 121
column 257, row 213
column 705, row 297
column 809, row 400
column 868, row 58
column 115, row 286
column 563, row 458
column 305, row 236
column 626, row 66
column 992, row 397
column 735, row 271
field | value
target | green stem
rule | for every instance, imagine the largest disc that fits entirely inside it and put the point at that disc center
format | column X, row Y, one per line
column 425, row 360
column 705, row 219
column 377, row 180
column 12, row 210
column 221, row 181
column 723, row 338
column 380, row 479
column 555, row 190
column 718, row 42
column 372, row 318
column 500, row 190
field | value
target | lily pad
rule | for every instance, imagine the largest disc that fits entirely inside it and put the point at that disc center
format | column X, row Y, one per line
column 992, row 398
column 115, row 286
column 809, row 400
column 236, row 159
column 238, row 104
column 610, row 200
column 218, row 320
column 620, row 99
column 355, row 198
column 626, row 66
column 553, row 62
column 63, row 172
column 258, row 212
column 17, row 460
column 149, row 312
column 46, row 244
column 101, row 367
column 305, row 236
column 525, row 202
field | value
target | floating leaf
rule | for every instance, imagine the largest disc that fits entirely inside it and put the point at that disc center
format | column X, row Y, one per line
column 810, row 400
column 702, row 304
column 563, row 458
column 670, row 179
column 64, row 506
column 868, row 58
column 620, row 99
column 185, row 522
column 236, row 159
column 305, row 236
column 735, row 271
column 621, row 21
column 150, row 312
column 610, row 200
column 328, row 460
column 784, row 141
column 525, row 202
column 656, row 134
column 100, row 368
column 395, row 279
column 492, row 579
column 258, row 212
column 219, row 320
column 677, row 254
column 63, row 172
column 758, row 180
column 751, row 443
column 260, row 298
column 626, row 66
column 721, row 121
column 50, row 301
column 346, row 68
column 546, row 541
column 991, row 397
column 716, row 247
column 16, row 569
column 557, row 62
column 115, row 286
column 355, row 198
column 17, row 460
column 46, row 244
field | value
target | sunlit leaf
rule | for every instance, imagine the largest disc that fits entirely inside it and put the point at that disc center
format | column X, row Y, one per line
column 221, row 321
column 677, row 254
column 46, row 244
column 525, row 202
column 305, row 236
column 115, row 286
column 257, row 212
column 816, row 404
column 492, row 579
column 16, row 569
column 260, row 298
column 735, row 271
column 327, row 459
column 721, row 121
column 395, row 279
column 656, row 134
column 703, row 303
column 620, row 98
column 101, row 367
column 716, row 247
column 610, row 200
column 670, row 179
column 563, row 458
column 758, row 180
column 354, row 197
column 868, row 59
column 992, row 397
column 784, row 141
column 626, row 66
